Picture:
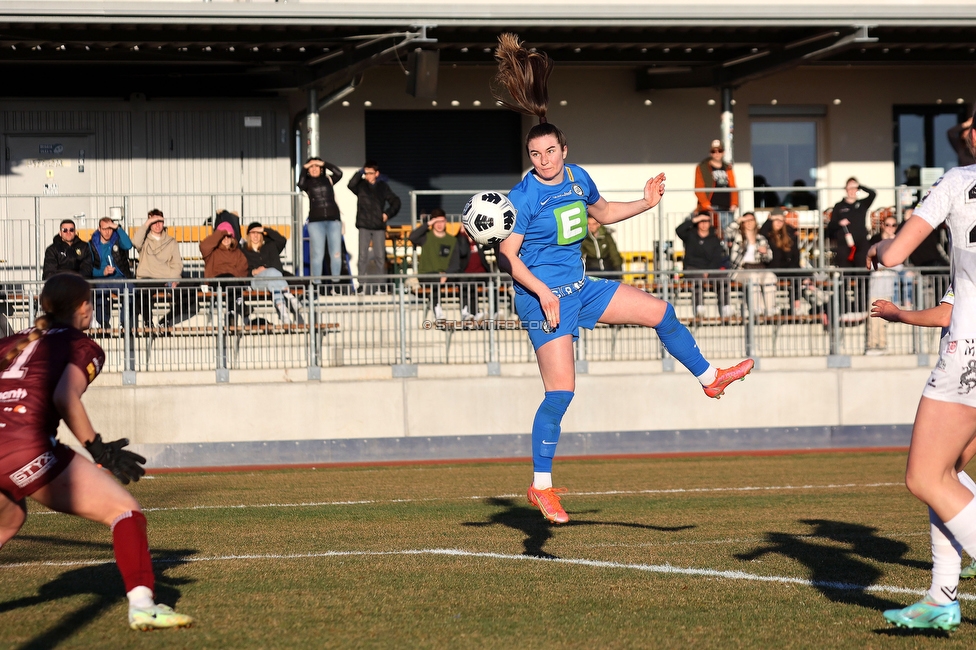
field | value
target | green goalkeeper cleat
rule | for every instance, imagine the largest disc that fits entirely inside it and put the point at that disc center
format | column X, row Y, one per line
column 157, row 617
column 969, row 571
column 926, row 615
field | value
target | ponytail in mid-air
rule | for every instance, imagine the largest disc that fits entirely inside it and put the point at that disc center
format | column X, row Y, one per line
column 525, row 75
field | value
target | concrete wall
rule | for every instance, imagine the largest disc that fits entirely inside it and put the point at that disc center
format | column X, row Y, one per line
column 364, row 414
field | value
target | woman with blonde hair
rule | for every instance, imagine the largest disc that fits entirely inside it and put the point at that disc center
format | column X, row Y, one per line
column 49, row 367
column 553, row 296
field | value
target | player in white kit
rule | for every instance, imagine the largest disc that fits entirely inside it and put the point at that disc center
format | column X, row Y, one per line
column 945, row 423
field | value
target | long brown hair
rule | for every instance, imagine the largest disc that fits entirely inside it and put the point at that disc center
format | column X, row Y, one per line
column 61, row 297
column 525, row 75
column 781, row 238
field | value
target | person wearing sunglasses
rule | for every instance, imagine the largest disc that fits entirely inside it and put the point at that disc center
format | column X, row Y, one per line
column 714, row 173
column 67, row 252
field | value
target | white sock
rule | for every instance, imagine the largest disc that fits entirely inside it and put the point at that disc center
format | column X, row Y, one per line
column 970, row 484
column 946, row 562
column 542, row 480
column 140, row 598
column 707, row 377
column 963, row 527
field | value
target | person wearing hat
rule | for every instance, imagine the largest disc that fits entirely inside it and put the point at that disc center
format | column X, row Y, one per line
column 715, row 173
column 262, row 248
column 222, row 258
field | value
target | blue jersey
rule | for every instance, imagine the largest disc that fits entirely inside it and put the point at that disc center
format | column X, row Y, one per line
column 552, row 219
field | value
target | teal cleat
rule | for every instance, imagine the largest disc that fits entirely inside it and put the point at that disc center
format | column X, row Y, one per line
column 157, row 617
column 969, row 571
column 926, row 615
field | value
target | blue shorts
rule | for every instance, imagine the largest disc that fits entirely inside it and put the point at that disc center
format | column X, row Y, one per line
column 581, row 308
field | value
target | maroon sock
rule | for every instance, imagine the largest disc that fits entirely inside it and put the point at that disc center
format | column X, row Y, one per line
column 132, row 550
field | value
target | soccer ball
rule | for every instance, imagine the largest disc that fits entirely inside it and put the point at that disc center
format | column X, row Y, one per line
column 489, row 217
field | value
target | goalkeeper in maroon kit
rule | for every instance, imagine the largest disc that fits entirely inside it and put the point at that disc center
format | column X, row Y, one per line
column 43, row 373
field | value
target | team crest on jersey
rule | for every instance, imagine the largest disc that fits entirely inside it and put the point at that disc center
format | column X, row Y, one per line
column 577, row 190
column 951, row 348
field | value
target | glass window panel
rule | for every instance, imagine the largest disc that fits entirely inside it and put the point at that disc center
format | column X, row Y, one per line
column 945, row 155
column 784, row 152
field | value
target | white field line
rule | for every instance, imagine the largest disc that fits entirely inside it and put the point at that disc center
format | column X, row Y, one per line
column 316, row 504
column 667, row 569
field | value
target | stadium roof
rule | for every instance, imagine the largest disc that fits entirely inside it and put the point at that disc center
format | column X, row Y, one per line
column 161, row 48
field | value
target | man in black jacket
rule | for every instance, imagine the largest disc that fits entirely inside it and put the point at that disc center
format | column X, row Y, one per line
column 704, row 251
column 377, row 204
column 67, row 253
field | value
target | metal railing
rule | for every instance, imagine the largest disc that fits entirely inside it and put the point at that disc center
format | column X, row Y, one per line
column 221, row 325
column 26, row 233
column 651, row 236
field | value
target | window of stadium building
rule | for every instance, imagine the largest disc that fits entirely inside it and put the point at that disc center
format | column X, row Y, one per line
column 785, row 151
column 921, row 142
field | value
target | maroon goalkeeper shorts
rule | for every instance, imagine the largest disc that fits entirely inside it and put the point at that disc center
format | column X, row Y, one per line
column 25, row 471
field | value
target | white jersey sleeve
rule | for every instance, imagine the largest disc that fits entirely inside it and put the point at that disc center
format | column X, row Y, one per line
column 952, row 200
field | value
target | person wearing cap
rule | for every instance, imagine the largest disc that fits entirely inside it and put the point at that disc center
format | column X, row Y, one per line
column 715, row 173
column 159, row 259
column 262, row 248
column 222, row 258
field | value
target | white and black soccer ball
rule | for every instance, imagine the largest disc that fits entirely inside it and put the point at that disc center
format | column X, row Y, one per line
column 489, row 217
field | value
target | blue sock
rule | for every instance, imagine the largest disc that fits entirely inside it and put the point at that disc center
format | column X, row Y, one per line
column 680, row 343
column 545, row 428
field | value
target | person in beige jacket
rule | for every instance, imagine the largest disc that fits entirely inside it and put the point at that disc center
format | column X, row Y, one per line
column 159, row 259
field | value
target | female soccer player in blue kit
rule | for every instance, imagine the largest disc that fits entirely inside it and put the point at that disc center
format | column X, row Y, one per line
column 553, row 297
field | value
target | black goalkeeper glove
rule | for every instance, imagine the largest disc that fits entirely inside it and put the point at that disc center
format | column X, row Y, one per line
column 125, row 465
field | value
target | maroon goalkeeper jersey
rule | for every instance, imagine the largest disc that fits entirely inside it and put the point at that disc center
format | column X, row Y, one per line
column 28, row 417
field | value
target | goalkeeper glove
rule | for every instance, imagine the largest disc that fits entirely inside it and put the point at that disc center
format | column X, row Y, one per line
column 124, row 464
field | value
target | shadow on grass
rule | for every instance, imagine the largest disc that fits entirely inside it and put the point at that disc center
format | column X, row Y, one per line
column 102, row 582
column 840, row 570
column 538, row 531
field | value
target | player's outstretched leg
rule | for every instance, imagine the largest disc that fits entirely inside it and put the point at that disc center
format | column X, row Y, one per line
column 926, row 615
column 682, row 346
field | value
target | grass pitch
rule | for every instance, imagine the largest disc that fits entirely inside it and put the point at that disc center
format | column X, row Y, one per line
column 795, row 551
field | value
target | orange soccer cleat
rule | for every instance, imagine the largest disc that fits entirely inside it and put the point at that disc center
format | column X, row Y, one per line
column 548, row 503
column 726, row 376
